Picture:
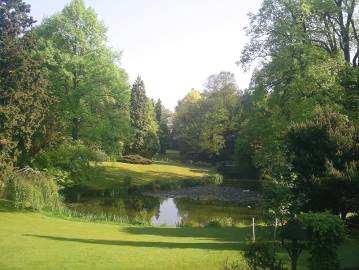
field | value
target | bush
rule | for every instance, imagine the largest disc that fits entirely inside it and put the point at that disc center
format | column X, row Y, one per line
column 71, row 157
column 213, row 179
column 220, row 222
column 136, row 159
column 326, row 233
column 261, row 255
column 31, row 189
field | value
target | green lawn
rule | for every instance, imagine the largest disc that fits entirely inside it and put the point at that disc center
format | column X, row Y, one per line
column 34, row 241
column 114, row 173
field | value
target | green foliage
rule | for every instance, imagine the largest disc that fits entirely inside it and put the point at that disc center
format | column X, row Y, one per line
column 30, row 189
column 143, row 122
column 24, row 100
column 293, row 235
column 204, row 125
column 278, row 202
column 136, row 159
column 187, row 123
column 163, row 117
column 326, row 233
column 261, row 255
column 323, row 152
column 69, row 161
column 213, row 179
column 290, row 24
column 91, row 90
column 218, row 111
column 297, row 75
column 328, row 138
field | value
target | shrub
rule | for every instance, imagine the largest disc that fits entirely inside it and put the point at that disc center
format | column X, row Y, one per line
column 213, row 179
column 136, row 159
column 31, row 189
column 220, row 222
column 262, row 255
column 325, row 233
column 71, row 157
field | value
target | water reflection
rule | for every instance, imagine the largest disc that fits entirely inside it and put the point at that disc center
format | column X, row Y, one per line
column 168, row 214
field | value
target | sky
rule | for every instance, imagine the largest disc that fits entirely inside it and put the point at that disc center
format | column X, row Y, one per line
column 174, row 45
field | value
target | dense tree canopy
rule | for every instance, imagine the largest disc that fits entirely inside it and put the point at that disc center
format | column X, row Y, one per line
column 91, row 90
column 205, row 122
column 24, row 100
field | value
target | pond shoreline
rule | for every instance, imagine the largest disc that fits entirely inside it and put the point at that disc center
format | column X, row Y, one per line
column 209, row 193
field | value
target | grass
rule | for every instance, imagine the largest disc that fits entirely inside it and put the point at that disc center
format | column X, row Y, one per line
column 34, row 241
column 115, row 173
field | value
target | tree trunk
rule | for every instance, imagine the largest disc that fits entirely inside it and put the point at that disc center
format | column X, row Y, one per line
column 75, row 128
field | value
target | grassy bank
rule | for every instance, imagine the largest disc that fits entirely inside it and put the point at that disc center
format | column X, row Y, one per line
column 34, row 241
column 110, row 174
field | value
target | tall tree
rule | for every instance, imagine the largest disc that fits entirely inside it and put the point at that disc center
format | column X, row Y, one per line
column 143, row 121
column 295, row 77
column 23, row 96
column 187, row 124
column 92, row 91
column 331, row 25
column 221, row 99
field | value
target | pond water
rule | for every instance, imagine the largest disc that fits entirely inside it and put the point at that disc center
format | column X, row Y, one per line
column 168, row 214
column 167, row 211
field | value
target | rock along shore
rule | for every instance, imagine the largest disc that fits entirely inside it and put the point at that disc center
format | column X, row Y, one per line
column 211, row 192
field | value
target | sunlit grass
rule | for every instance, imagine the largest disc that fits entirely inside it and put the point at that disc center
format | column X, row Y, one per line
column 34, row 241
column 115, row 173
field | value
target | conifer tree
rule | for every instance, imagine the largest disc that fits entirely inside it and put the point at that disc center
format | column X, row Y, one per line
column 23, row 95
column 138, row 116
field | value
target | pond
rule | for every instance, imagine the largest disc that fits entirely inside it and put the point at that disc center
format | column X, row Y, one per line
column 167, row 211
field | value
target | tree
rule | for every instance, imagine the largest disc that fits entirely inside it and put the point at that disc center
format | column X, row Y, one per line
column 205, row 123
column 294, row 235
column 162, row 119
column 219, row 107
column 294, row 78
column 187, row 124
column 92, row 91
column 323, row 152
column 331, row 25
column 143, row 121
column 23, row 86
column 326, row 233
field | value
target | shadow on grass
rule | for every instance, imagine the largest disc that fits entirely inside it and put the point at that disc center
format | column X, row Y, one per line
column 168, row 245
column 228, row 234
